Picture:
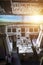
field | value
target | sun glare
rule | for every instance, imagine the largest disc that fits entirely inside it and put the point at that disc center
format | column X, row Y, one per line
column 34, row 18
column 37, row 18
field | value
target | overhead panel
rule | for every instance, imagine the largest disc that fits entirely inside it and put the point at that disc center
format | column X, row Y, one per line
column 27, row 8
column 37, row 1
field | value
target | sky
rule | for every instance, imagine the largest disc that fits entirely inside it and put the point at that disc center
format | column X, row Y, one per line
column 15, row 18
column 10, row 18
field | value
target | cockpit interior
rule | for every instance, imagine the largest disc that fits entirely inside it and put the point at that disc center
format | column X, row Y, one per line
column 20, row 50
column 21, row 32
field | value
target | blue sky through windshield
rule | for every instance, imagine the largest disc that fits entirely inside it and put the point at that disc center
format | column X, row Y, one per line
column 18, row 18
column 10, row 18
